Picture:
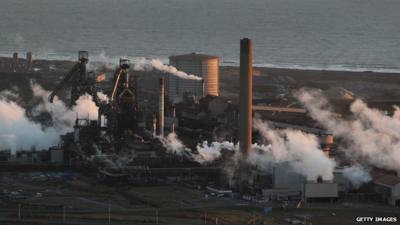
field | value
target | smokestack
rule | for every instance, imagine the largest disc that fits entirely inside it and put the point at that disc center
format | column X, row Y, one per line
column 15, row 62
column 246, row 96
column 161, row 108
column 29, row 61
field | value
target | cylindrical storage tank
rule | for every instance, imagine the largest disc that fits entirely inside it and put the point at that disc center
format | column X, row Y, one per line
column 205, row 66
column 210, row 74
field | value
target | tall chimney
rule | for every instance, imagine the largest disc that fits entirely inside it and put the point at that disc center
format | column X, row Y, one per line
column 246, row 96
column 161, row 107
column 29, row 61
column 15, row 62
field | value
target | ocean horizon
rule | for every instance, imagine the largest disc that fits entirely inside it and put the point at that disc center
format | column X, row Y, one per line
column 351, row 35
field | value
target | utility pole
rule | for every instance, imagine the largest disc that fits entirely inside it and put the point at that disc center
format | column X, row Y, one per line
column 109, row 213
column 156, row 216
column 205, row 218
column 64, row 214
column 19, row 211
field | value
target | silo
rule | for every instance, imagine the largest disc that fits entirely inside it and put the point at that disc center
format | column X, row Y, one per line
column 205, row 66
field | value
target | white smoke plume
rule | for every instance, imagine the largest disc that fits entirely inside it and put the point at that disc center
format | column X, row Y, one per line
column 371, row 136
column 101, row 62
column 156, row 64
column 84, row 107
column 300, row 150
column 103, row 97
column 173, row 145
column 206, row 152
column 105, row 60
column 210, row 152
column 18, row 132
column 357, row 175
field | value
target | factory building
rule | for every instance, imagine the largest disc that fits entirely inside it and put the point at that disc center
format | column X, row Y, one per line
column 387, row 186
column 205, row 66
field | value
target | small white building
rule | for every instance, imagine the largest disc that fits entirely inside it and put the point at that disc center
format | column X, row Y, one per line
column 320, row 190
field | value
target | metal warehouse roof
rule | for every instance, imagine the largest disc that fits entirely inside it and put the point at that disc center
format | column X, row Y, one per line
column 385, row 179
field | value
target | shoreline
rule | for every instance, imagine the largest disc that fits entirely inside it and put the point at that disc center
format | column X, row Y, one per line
column 227, row 64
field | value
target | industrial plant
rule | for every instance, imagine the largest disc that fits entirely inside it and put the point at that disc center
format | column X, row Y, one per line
column 270, row 147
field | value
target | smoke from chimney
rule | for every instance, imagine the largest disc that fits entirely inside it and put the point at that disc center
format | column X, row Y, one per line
column 300, row 151
column 357, row 175
column 156, row 64
column 370, row 136
column 19, row 132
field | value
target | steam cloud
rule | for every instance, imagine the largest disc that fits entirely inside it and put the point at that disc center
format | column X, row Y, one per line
column 101, row 62
column 357, row 175
column 156, row 64
column 174, row 145
column 371, row 136
column 103, row 97
column 210, row 152
column 105, row 60
column 18, row 132
column 299, row 150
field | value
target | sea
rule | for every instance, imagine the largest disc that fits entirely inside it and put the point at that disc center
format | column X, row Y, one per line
column 359, row 35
